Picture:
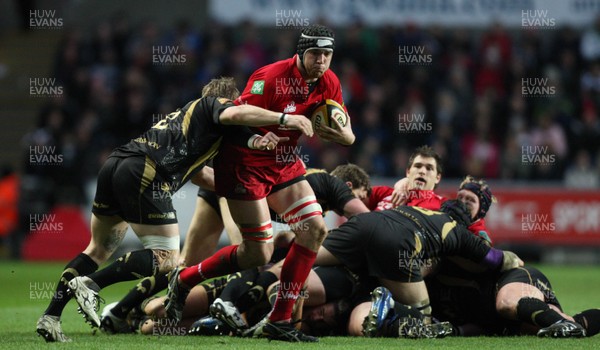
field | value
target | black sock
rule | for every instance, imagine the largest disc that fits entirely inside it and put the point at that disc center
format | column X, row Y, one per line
column 406, row 311
column 238, row 284
column 131, row 266
column 257, row 293
column 146, row 288
column 214, row 288
column 590, row 320
column 536, row 312
column 82, row 265
column 401, row 314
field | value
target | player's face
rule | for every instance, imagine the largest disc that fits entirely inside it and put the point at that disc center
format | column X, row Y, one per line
column 471, row 201
column 361, row 193
column 423, row 174
column 316, row 62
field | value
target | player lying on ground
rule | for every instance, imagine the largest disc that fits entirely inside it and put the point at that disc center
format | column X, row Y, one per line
column 163, row 159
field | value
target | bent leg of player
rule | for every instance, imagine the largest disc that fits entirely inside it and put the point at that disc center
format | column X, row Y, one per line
column 388, row 318
column 201, row 241
column 161, row 254
column 107, row 233
column 255, row 250
column 204, row 232
column 297, row 205
column 413, row 294
column 525, row 294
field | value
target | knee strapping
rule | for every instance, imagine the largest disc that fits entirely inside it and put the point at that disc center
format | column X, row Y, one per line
column 261, row 233
column 302, row 210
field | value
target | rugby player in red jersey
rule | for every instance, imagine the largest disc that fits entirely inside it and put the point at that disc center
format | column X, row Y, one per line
column 254, row 182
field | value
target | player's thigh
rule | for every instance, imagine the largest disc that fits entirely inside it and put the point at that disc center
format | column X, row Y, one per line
column 409, row 293
column 324, row 257
column 233, row 232
column 248, row 212
column 107, row 234
column 203, row 234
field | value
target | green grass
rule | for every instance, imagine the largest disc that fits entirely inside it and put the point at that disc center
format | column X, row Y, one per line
column 24, row 298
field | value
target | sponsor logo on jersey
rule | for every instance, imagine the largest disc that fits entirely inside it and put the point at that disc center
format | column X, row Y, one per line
column 257, row 87
column 290, row 108
column 167, row 215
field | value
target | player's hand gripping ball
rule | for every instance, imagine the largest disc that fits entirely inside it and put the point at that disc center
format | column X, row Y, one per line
column 325, row 112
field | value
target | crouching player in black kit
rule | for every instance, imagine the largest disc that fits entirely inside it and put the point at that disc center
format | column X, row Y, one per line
column 393, row 245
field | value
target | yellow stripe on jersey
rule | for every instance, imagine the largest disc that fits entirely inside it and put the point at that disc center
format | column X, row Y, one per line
column 314, row 171
column 185, row 124
column 427, row 211
column 447, row 228
column 149, row 174
column 210, row 154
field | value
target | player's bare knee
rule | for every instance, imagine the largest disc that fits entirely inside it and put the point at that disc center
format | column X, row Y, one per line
column 506, row 302
column 319, row 231
column 254, row 253
column 97, row 253
column 166, row 260
column 505, row 307
column 259, row 255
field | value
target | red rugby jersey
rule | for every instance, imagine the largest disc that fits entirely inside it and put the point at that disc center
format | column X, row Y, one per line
column 280, row 87
column 425, row 199
column 377, row 199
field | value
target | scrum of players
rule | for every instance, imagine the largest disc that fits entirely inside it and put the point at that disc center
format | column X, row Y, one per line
column 406, row 263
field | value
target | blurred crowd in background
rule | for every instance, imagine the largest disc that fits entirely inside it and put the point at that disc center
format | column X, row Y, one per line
column 469, row 92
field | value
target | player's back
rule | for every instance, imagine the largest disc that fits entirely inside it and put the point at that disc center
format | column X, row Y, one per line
column 182, row 142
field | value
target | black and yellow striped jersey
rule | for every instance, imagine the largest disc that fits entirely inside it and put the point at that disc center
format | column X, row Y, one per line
column 184, row 141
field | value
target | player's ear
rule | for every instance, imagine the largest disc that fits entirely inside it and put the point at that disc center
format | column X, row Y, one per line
column 438, row 178
column 349, row 184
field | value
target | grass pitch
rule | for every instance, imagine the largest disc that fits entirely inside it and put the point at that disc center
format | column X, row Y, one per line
column 27, row 288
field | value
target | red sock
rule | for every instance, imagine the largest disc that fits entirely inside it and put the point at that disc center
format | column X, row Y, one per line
column 221, row 263
column 294, row 273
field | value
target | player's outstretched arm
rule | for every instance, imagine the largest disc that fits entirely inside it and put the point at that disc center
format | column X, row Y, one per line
column 255, row 116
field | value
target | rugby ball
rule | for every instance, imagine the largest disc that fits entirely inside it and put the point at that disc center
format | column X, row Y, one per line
column 325, row 112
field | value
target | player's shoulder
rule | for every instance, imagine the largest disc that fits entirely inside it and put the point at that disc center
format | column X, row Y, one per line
column 382, row 191
column 273, row 70
column 331, row 78
column 317, row 176
column 208, row 102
